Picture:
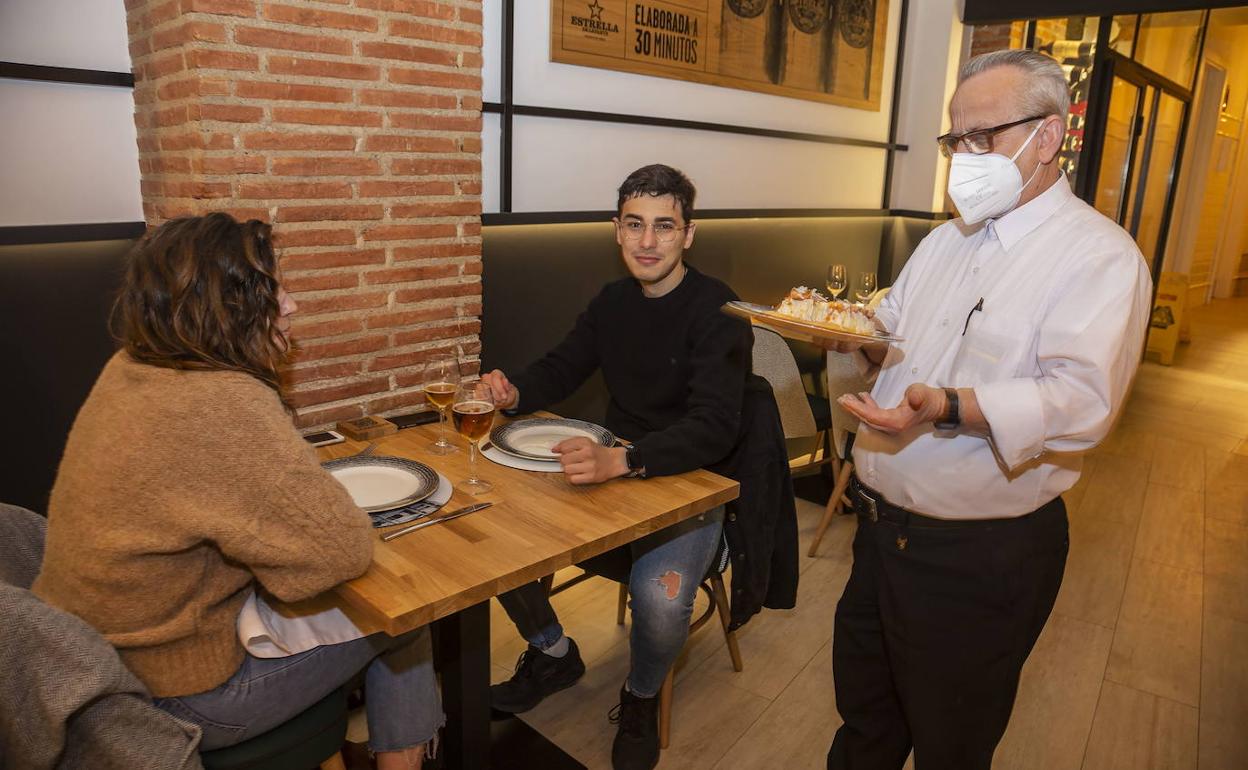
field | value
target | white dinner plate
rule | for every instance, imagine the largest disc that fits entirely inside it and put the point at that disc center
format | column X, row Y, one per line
column 493, row 454
column 535, row 439
column 383, row 483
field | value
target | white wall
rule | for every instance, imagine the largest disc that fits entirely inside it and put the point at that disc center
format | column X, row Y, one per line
column 68, row 153
column 935, row 45
column 562, row 165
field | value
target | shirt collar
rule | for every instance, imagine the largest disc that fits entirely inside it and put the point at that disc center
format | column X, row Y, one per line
column 1016, row 224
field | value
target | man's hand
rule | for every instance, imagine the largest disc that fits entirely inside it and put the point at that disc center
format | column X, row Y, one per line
column 505, row 394
column 586, row 462
column 921, row 404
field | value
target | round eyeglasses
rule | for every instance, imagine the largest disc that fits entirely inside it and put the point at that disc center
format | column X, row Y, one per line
column 664, row 232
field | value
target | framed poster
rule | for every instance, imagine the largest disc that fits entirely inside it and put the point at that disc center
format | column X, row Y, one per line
column 822, row 50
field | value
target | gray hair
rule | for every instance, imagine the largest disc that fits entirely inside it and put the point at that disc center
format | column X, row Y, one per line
column 1044, row 91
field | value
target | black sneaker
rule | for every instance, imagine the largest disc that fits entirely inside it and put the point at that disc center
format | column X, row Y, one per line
column 636, row 744
column 537, row 675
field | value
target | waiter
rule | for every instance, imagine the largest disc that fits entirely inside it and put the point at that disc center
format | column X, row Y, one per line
column 1023, row 322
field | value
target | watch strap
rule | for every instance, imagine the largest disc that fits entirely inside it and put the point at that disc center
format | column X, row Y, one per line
column 632, row 458
column 953, row 412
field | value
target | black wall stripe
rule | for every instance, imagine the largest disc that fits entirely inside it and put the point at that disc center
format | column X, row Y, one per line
column 695, row 125
column 46, row 74
column 573, row 217
column 100, row 231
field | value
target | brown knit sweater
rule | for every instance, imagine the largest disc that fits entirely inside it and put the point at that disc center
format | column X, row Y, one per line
column 178, row 491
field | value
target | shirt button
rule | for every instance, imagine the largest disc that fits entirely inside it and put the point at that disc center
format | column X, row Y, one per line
column 975, row 270
column 914, row 370
column 944, row 322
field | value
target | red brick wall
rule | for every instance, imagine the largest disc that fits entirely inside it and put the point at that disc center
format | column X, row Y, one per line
column 986, row 38
column 354, row 127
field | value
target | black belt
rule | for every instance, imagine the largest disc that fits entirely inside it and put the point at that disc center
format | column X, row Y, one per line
column 872, row 505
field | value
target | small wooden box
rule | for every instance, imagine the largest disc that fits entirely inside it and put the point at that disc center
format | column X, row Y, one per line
column 366, row 428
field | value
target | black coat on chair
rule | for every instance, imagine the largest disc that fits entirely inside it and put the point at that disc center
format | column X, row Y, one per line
column 761, row 524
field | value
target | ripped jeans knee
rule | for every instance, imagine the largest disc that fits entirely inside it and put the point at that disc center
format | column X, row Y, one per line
column 662, row 589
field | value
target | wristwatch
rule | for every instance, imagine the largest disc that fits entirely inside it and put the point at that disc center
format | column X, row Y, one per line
column 632, row 458
column 953, row 413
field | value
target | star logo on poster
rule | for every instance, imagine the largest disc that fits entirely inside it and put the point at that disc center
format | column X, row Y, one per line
column 595, row 11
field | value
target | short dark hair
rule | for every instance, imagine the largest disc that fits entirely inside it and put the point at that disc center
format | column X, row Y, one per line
column 202, row 293
column 657, row 180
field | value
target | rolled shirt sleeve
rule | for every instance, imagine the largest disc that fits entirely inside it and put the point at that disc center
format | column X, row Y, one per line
column 1089, row 344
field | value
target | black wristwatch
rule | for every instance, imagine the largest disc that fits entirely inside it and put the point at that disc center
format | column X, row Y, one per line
column 632, row 458
column 953, row 414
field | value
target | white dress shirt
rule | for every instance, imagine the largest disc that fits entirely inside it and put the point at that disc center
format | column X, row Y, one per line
column 1050, row 355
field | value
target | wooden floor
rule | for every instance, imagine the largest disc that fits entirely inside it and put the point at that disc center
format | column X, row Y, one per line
column 1143, row 664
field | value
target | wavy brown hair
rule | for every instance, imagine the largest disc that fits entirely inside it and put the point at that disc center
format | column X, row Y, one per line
column 202, row 293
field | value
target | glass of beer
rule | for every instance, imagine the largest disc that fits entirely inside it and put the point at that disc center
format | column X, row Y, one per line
column 473, row 415
column 441, row 380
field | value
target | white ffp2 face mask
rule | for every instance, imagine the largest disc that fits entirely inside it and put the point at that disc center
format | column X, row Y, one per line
column 988, row 185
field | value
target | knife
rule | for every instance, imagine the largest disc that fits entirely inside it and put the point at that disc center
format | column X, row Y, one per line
column 452, row 515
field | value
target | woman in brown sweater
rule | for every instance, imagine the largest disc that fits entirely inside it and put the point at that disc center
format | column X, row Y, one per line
column 185, row 487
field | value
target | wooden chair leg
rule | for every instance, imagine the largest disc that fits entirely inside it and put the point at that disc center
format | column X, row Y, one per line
column 665, row 708
column 334, row 763
column 622, row 605
column 548, row 583
column 834, row 504
column 725, row 619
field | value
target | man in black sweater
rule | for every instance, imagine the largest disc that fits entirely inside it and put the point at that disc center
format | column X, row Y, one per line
column 675, row 369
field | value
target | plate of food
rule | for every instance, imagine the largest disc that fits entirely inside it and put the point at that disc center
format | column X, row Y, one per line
column 535, row 439
column 383, row 483
column 807, row 315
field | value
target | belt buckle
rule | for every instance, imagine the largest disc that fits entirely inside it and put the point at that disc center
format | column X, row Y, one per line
column 874, row 512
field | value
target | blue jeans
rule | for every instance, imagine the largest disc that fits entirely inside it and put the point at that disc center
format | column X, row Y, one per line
column 663, row 571
column 404, row 709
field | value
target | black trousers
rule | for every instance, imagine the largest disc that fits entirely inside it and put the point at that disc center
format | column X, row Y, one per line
column 932, row 632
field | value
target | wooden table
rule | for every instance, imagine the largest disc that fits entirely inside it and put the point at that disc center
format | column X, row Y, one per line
column 447, row 573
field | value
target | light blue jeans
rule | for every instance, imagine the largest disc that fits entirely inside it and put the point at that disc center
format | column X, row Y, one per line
column 401, row 694
column 663, row 571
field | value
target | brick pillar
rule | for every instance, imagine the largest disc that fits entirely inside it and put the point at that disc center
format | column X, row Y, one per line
column 354, row 127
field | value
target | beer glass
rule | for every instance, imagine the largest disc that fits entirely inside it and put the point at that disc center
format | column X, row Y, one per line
column 441, row 380
column 473, row 415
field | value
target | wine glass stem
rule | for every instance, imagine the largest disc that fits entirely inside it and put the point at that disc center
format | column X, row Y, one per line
column 441, row 426
column 472, row 462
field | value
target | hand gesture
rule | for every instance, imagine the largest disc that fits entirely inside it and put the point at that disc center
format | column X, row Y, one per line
column 588, row 462
column 922, row 403
column 505, row 394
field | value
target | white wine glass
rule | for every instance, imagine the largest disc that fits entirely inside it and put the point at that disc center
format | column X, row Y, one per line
column 441, row 381
column 838, row 281
column 866, row 287
column 473, row 415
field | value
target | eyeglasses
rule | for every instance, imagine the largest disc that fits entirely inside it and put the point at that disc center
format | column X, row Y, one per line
column 979, row 141
column 664, row 232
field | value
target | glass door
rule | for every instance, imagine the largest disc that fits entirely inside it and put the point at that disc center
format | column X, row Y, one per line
column 1121, row 123
column 1156, row 174
column 1142, row 130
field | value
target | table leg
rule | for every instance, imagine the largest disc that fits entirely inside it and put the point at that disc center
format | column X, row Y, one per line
column 470, row 740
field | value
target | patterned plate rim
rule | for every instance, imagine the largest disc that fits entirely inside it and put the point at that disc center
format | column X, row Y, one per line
column 498, row 436
column 427, row 475
column 764, row 315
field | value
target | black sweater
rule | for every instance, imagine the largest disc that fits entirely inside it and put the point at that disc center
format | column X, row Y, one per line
column 675, row 368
